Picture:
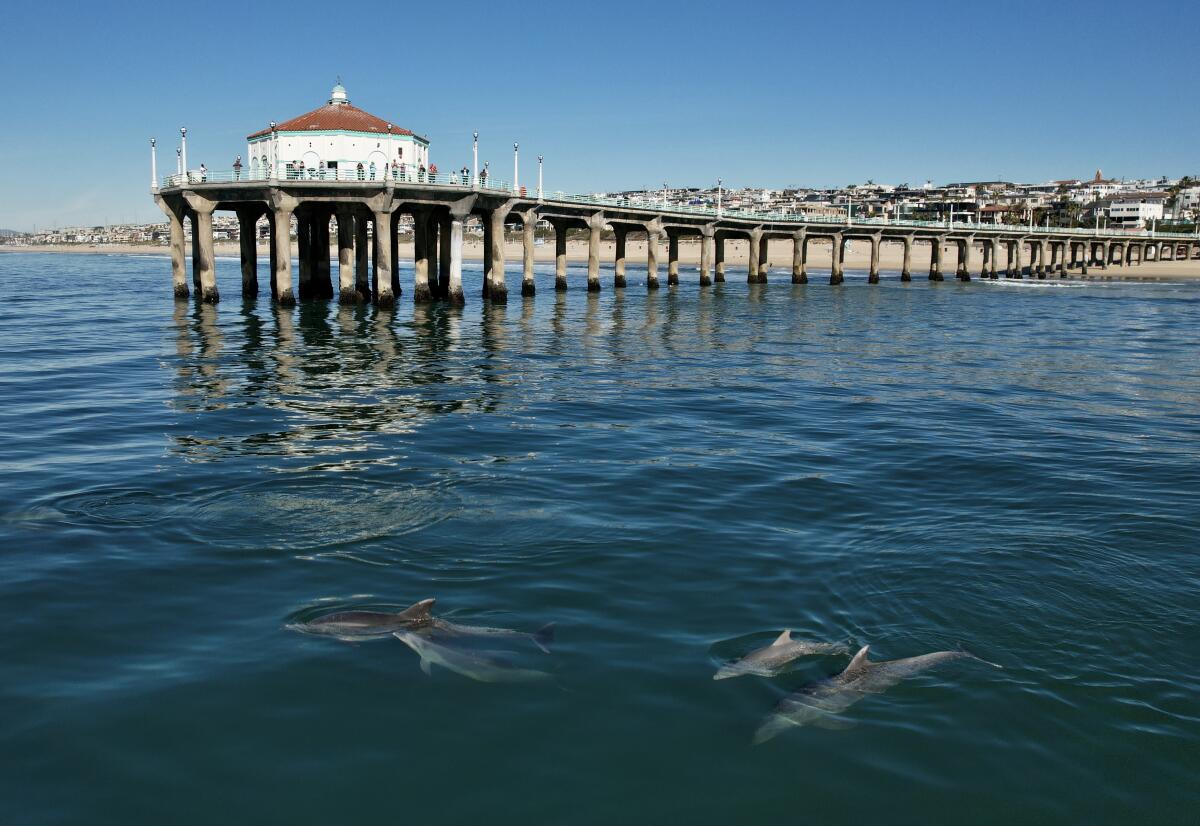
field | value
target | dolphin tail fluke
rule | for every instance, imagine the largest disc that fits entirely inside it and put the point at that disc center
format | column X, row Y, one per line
column 544, row 636
column 975, row 656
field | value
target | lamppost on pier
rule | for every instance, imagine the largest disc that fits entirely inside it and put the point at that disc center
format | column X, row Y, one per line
column 183, row 150
column 664, row 194
column 539, row 177
column 274, row 151
column 153, row 166
column 178, row 161
column 719, row 193
column 516, row 168
column 475, row 160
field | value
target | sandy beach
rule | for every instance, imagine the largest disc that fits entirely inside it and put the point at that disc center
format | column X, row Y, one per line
column 779, row 256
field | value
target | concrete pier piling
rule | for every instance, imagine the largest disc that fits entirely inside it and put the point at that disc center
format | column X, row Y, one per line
column 672, row 259
column 595, row 228
column 873, row 272
column 528, row 229
column 935, row 258
column 421, row 292
column 837, row 256
column 560, row 255
column 347, row 293
column 619, row 233
column 497, row 289
column 652, row 256
column 752, row 256
column 454, row 291
column 799, row 254
column 384, row 296
column 718, row 258
column 362, row 258
column 706, row 255
column 966, row 250
column 906, row 267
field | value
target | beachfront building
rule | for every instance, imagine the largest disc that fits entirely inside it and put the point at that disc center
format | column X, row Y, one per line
column 1136, row 210
column 336, row 141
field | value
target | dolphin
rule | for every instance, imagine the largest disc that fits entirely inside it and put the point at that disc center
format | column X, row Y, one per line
column 541, row 638
column 771, row 659
column 351, row 626
column 483, row 666
column 819, row 704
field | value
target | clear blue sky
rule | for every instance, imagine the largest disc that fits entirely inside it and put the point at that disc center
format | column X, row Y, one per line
column 615, row 95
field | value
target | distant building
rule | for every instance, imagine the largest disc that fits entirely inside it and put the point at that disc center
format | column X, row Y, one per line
column 336, row 138
column 1137, row 210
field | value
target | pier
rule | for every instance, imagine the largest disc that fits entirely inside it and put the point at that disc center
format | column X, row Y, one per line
column 366, row 212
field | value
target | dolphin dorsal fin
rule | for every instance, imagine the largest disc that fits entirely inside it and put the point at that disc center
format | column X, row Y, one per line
column 784, row 638
column 419, row 611
column 860, row 659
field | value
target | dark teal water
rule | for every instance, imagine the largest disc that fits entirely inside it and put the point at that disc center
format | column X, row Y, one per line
column 670, row 477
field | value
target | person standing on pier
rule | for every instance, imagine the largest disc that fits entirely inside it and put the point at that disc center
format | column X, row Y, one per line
column 237, row 168
column 203, row 173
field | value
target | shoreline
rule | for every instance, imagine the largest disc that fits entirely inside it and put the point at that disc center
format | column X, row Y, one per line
column 736, row 251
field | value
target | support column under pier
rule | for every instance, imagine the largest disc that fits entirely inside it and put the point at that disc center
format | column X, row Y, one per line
column 421, row 292
column 385, row 295
column 837, row 255
column 347, row 294
column 322, row 282
column 179, row 285
column 672, row 259
column 205, row 258
column 362, row 280
column 651, row 259
column 935, row 259
column 619, row 257
column 799, row 245
column 873, row 273
column 454, row 288
column 248, row 248
column 752, row 257
column 595, row 227
column 560, row 256
column 706, row 253
column 528, row 228
column 498, row 291
column 443, row 290
column 281, row 240
column 906, row 267
column 965, row 250
column 719, row 258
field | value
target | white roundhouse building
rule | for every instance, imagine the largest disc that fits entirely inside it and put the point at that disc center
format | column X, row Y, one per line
column 337, row 141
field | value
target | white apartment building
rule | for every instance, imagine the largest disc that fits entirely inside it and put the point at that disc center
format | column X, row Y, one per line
column 1136, row 210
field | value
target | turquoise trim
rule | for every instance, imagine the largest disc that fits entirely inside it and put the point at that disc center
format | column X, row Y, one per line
column 409, row 138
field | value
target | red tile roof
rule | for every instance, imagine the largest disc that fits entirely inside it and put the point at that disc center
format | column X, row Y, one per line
column 334, row 116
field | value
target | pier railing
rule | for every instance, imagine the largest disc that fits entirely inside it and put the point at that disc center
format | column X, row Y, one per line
column 457, row 180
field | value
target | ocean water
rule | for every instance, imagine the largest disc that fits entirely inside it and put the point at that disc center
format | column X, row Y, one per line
column 672, row 478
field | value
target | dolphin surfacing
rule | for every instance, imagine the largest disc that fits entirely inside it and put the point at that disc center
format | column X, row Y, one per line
column 482, row 666
column 819, row 704
column 352, row 626
column 772, row 659
column 541, row 638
